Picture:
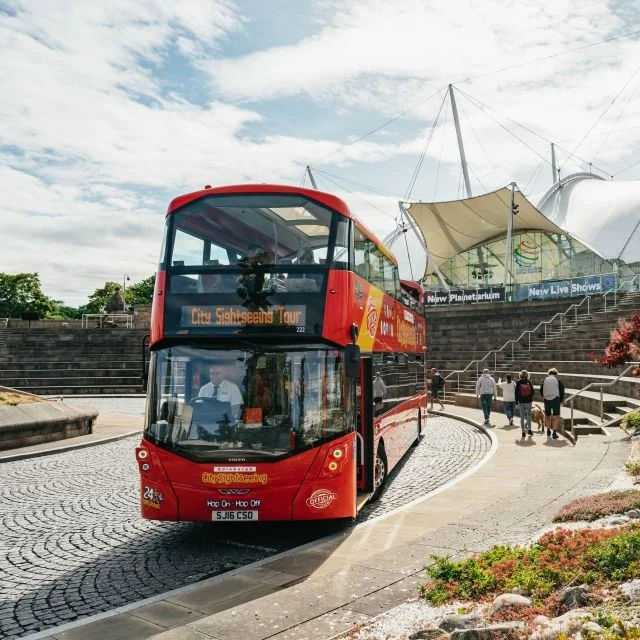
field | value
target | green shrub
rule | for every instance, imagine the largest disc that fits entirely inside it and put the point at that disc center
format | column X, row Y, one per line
column 632, row 420
column 633, row 468
column 618, row 558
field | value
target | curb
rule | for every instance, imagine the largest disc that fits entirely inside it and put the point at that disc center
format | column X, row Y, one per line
column 70, row 447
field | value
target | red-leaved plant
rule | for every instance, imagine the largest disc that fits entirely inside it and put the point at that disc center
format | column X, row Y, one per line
column 624, row 345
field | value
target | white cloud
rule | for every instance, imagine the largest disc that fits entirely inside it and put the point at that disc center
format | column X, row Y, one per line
column 99, row 129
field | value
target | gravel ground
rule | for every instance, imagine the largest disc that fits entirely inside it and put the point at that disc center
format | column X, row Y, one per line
column 73, row 543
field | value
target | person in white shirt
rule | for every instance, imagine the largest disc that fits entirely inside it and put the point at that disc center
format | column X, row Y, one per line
column 379, row 392
column 485, row 390
column 508, row 396
column 222, row 389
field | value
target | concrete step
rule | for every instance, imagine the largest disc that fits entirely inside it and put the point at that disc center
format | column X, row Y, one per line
column 38, row 383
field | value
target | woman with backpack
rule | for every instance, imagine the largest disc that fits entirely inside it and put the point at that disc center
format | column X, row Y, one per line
column 524, row 397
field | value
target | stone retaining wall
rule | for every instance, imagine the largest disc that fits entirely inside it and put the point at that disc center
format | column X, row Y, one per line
column 34, row 423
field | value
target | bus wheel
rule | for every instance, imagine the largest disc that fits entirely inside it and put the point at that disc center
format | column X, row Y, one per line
column 416, row 442
column 379, row 473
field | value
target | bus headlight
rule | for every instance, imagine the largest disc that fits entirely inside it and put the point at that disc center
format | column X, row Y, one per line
column 334, row 460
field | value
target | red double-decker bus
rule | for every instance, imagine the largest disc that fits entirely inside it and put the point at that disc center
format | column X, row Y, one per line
column 286, row 376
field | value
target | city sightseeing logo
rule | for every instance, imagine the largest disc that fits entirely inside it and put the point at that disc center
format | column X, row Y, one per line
column 526, row 253
column 372, row 317
column 321, row 499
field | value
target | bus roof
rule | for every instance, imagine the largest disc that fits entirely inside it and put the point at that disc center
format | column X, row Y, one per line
column 327, row 199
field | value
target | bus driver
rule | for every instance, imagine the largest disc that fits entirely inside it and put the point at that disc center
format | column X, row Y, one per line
column 222, row 389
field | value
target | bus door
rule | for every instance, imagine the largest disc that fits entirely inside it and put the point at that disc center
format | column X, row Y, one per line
column 364, row 425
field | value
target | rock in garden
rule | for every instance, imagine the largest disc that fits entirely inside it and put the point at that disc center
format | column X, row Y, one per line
column 631, row 589
column 500, row 631
column 426, row 634
column 567, row 624
column 459, row 621
column 574, row 597
column 541, row 621
column 633, row 513
column 592, row 626
column 511, row 600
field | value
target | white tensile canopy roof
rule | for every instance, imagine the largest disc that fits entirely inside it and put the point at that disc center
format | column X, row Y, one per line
column 604, row 214
column 449, row 228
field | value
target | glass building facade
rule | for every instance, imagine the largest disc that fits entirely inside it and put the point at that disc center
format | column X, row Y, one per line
column 536, row 256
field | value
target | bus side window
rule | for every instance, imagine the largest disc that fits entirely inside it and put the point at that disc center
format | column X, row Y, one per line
column 360, row 243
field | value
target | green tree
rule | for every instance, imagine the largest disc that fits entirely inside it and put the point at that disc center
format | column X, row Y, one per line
column 141, row 292
column 100, row 297
column 22, row 293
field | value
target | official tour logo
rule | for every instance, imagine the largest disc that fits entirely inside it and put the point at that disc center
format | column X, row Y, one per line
column 372, row 317
column 321, row 499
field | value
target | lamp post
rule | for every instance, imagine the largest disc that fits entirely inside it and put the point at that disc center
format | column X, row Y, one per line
column 125, row 278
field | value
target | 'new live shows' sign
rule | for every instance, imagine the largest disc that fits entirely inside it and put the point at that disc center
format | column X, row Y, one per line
column 566, row 288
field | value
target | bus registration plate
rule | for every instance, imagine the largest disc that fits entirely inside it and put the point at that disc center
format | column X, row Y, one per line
column 228, row 516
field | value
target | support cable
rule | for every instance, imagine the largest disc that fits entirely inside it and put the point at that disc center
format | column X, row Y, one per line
column 416, row 171
column 486, row 155
column 386, row 213
column 603, row 113
column 444, row 133
column 554, row 55
column 406, row 244
column 615, row 124
column 357, row 184
column 479, row 104
column 469, row 79
column 382, row 126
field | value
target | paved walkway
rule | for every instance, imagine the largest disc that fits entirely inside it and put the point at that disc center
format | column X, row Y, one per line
column 327, row 587
column 107, row 427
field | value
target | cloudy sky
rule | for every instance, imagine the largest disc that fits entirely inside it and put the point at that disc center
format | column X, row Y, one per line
column 109, row 109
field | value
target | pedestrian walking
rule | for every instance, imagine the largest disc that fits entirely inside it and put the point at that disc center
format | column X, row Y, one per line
column 524, row 397
column 485, row 390
column 552, row 392
column 436, row 387
column 379, row 393
column 508, row 396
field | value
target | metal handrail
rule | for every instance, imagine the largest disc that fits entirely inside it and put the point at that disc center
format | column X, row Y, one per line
column 544, row 324
column 615, row 291
column 571, row 399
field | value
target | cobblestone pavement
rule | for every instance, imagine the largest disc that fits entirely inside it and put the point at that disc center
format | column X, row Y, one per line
column 73, row 544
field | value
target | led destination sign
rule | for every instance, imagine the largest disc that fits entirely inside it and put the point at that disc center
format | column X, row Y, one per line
column 195, row 316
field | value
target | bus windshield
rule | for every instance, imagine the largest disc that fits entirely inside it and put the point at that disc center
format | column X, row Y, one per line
column 254, row 230
column 208, row 404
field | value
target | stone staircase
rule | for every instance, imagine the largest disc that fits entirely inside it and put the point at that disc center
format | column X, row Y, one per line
column 72, row 361
column 458, row 336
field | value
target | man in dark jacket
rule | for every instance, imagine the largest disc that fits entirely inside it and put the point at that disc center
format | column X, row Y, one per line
column 436, row 387
column 524, row 396
column 552, row 392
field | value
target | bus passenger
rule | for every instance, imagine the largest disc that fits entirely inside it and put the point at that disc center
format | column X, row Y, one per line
column 222, row 389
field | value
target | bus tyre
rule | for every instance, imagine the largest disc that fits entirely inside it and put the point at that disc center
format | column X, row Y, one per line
column 379, row 473
column 416, row 442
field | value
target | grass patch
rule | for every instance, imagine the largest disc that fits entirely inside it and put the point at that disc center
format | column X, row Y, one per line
column 11, row 399
column 633, row 468
column 599, row 505
column 561, row 557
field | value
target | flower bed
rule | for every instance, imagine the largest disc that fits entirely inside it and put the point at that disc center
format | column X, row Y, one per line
column 12, row 399
column 599, row 505
column 559, row 558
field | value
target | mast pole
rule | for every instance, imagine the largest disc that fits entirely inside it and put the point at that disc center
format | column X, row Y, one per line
column 463, row 159
column 554, row 170
column 508, row 250
column 313, row 181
